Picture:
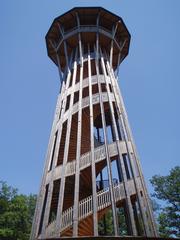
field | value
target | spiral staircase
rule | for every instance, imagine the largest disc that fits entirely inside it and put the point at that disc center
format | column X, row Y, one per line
column 85, row 212
column 86, row 204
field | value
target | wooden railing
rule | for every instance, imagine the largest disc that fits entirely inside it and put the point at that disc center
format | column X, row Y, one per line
column 85, row 161
column 67, row 218
column 86, row 207
column 50, row 230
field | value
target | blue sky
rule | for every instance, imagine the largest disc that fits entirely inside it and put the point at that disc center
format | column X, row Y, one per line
column 149, row 79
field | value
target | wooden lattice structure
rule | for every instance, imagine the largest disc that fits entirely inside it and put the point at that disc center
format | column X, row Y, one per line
column 92, row 173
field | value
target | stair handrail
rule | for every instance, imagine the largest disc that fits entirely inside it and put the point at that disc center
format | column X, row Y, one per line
column 67, row 217
column 86, row 208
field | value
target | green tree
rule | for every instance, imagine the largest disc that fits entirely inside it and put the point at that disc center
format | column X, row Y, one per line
column 16, row 213
column 167, row 188
column 106, row 226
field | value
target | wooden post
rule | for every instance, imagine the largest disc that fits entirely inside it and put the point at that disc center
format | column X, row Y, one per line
column 93, row 167
column 78, row 150
column 128, row 201
column 66, row 148
column 113, row 204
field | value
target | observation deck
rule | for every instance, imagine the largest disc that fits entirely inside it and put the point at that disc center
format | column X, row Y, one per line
column 89, row 21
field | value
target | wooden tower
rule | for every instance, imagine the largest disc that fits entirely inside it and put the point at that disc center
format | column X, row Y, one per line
column 92, row 183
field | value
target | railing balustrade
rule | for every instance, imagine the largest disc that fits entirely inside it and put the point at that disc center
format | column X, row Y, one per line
column 86, row 207
column 67, row 217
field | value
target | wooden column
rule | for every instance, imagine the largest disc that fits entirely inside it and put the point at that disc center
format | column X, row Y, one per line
column 40, row 199
column 93, row 167
column 58, row 128
column 113, row 204
column 78, row 150
column 66, row 148
column 128, row 201
column 122, row 122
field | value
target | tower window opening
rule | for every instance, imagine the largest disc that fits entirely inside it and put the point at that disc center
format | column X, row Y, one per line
column 73, row 138
column 85, row 70
column 85, row 185
column 62, row 144
column 68, row 102
column 99, row 180
column 53, row 151
column 117, row 122
column 78, row 74
column 98, row 141
column 98, row 128
column 122, row 221
column 102, row 179
column 93, row 67
column 109, row 133
column 109, row 127
column 100, row 68
column 95, row 89
column 76, row 97
column 137, row 216
column 54, row 201
column 127, row 166
column 103, row 87
column 99, row 134
column 85, row 92
column 105, row 224
column 85, row 135
column 69, row 192
column 43, row 209
column 116, row 171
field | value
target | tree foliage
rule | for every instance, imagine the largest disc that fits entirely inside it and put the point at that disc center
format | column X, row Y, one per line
column 16, row 213
column 167, row 188
column 106, row 226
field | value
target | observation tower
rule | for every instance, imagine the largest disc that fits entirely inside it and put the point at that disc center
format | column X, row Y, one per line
column 92, row 183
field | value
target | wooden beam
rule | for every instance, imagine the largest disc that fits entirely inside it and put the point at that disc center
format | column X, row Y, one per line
column 93, row 168
column 78, row 155
column 122, row 170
